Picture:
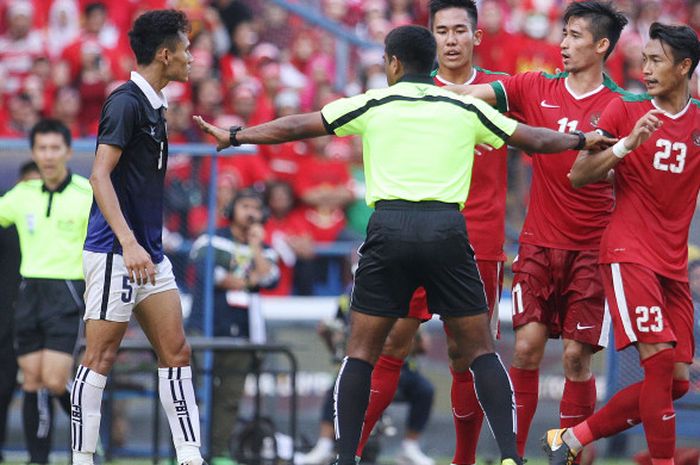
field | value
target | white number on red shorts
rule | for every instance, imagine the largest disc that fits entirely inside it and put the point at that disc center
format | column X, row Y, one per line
column 649, row 319
column 518, row 299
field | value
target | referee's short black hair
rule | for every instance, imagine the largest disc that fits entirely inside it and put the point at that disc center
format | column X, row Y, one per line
column 468, row 5
column 155, row 29
column 414, row 46
column 681, row 39
column 50, row 125
column 604, row 20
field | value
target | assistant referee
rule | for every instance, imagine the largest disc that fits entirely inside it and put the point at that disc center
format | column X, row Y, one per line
column 51, row 216
column 418, row 145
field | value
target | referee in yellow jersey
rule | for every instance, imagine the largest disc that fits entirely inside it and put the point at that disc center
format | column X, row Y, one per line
column 418, row 145
column 51, row 216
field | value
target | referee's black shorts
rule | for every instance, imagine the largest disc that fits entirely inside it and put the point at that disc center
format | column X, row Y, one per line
column 412, row 244
column 47, row 315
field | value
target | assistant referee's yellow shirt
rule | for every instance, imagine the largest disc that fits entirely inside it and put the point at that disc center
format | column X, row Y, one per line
column 418, row 139
column 51, row 226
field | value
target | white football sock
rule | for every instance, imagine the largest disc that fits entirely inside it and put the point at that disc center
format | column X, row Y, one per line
column 86, row 400
column 177, row 398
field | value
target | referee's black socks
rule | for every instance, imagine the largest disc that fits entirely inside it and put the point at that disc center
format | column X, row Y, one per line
column 495, row 393
column 37, row 410
column 351, row 397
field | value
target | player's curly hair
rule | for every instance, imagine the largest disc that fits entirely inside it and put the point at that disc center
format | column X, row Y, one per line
column 604, row 20
column 469, row 5
column 155, row 29
column 682, row 40
column 414, row 46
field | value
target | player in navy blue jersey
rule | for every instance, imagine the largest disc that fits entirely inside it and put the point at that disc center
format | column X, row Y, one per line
column 125, row 268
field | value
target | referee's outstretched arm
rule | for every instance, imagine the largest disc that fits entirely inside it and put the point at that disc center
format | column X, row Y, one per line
column 529, row 138
column 285, row 129
column 543, row 140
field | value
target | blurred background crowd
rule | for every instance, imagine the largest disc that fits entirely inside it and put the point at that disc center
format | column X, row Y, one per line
column 253, row 61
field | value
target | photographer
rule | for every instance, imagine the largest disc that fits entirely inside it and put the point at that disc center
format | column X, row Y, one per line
column 243, row 265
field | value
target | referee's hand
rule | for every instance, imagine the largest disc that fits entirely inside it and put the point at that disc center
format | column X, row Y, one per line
column 596, row 142
column 222, row 136
column 138, row 263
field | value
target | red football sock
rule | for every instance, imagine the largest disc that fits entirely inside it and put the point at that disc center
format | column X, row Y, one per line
column 467, row 416
column 656, row 405
column 620, row 413
column 385, row 381
column 525, row 386
column 577, row 403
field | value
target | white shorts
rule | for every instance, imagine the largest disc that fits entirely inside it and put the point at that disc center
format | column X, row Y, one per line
column 109, row 295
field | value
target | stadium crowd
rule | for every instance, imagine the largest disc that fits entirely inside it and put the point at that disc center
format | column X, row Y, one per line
column 254, row 61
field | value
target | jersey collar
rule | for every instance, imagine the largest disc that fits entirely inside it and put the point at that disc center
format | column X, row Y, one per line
column 587, row 94
column 669, row 115
column 417, row 78
column 61, row 187
column 448, row 83
column 156, row 100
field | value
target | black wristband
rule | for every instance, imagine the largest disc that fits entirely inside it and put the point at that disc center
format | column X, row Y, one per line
column 233, row 131
column 581, row 140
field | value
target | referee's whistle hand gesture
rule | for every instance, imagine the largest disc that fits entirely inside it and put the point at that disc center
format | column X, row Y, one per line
column 222, row 136
column 138, row 263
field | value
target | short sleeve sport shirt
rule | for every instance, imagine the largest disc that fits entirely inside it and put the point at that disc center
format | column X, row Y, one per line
column 418, row 139
column 51, row 226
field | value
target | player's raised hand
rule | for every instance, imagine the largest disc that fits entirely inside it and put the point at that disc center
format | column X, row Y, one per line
column 642, row 130
column 222, row 136
column 138, row 263
column 596, row 142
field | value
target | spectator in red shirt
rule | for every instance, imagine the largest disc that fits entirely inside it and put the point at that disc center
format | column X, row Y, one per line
column 208, row 98
column 234, row 66
column 19, row 46
column 66, row 109
column 287, row 233
column 496, row 48
column 98, row 37
column 197, row 217
column 324, row 185
column 63, row 26
column 284, row 160
column 22, row 117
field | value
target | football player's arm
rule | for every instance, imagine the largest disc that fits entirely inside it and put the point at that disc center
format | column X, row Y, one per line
column 594, row 166
column 285, row 129
column 481, row 91
column 543, row 140
column 137, row 261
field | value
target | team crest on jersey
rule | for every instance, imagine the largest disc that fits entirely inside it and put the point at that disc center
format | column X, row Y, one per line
column 696, row 137
column 595, row 117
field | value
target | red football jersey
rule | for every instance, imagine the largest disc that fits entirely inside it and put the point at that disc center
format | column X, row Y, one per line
column 558, row 215
column 656, row 189
column 485, row 210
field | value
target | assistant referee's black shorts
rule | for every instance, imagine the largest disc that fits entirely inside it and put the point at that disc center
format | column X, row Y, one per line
column 412, row 244
column 47, row 315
